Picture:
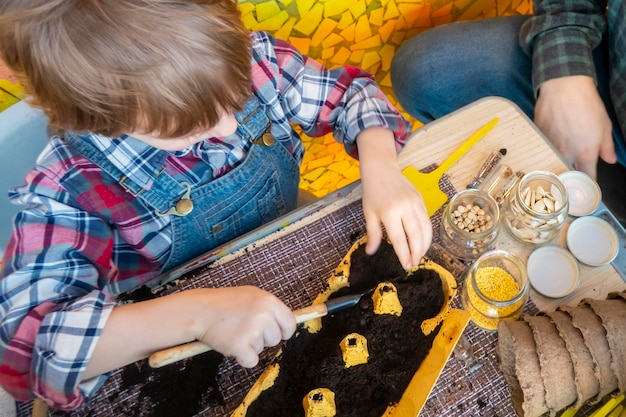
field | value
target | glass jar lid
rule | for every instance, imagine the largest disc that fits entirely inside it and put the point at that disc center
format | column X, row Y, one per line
column 584, row 193
column 553, row 271
column 592, row 241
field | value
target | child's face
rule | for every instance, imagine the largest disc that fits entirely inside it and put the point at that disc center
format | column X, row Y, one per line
column 226, row 126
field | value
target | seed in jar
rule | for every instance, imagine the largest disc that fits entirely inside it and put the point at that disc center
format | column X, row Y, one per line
column 526, row 196
column 471, row 218
column 540, row 192
column 539, row 200
column 549, row 203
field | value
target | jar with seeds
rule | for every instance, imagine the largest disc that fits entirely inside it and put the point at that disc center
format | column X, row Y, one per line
column 537, row 209
column 496, row 288
column 470, row 224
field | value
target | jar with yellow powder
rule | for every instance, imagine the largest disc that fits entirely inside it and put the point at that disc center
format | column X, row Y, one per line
column 496, row 289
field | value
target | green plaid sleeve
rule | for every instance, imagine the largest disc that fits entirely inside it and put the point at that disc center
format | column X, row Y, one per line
column 560, row 37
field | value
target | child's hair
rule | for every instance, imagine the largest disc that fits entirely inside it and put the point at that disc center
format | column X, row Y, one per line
column 111, row 66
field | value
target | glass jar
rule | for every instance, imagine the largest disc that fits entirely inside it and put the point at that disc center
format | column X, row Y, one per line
column 496, row 288
column 537, row 209
column 470, row 224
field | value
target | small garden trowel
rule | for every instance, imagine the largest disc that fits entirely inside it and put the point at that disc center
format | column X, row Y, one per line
column 428, row 183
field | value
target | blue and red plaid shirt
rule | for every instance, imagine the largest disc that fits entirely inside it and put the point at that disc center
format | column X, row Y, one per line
column 82, row 239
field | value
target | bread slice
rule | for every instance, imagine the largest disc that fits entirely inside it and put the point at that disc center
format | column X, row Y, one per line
column 613, row 316
column 520, row 366
column 586, row 382
column 555, row 364
column 594, row 335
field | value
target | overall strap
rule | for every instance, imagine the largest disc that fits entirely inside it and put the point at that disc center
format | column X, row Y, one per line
column 157, row 188
column 161, row 194
column 253, row 124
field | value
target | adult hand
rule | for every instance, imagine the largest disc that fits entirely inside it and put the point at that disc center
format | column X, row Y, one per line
column 242, row 321
column 570, row 112
column 391, row 200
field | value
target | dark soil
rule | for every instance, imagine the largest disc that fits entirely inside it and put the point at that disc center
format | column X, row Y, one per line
column 396, row 346
column 181, row 389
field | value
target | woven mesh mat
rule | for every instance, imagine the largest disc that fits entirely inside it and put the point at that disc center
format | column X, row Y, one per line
column 295, row 267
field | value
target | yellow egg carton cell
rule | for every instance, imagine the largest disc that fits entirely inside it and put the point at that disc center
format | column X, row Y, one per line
column 386, row 301
column 319, row 402
column 354, row 350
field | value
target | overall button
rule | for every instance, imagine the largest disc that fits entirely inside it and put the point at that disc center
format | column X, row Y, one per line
column 267, row 139
column 183, row 207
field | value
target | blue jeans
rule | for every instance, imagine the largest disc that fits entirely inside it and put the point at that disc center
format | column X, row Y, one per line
column 450, row 66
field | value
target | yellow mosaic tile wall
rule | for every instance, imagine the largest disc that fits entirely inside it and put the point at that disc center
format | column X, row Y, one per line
column 365, row 33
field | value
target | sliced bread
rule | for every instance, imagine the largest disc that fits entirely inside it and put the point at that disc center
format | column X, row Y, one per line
column 587, row 385
column 520, row 366
column 555, row 364
column 594, row 335
column 613, row 316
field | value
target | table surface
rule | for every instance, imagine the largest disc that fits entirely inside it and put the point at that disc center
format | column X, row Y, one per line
column 295, row 255
column 527, row 150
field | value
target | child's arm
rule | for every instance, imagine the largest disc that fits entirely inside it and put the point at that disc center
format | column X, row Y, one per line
column 59, row 277
column 343, row 101
column 389, row 198
column 235, row 321
column 347, row 102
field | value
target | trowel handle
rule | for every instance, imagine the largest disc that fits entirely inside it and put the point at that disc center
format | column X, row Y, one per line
column 465, row 146
column 178, row 353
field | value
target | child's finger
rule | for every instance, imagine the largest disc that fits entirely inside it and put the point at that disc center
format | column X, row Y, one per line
column 419, row 236
column 374, row 233
column 286, row 321
column 398, row 238
column 247, row 357
column 272, row 334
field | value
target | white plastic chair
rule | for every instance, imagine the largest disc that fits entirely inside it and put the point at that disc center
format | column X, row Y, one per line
column 23, row 135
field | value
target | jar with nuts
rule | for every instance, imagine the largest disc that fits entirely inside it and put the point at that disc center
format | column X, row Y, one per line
column 470, row 224
column 538, row 208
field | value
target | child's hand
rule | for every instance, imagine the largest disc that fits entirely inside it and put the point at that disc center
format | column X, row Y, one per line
column 390, row 199
column 242, row 321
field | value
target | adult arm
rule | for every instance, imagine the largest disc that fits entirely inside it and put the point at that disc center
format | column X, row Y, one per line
column 560, row 37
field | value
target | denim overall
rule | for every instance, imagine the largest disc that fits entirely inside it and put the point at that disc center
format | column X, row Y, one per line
column 261, row 188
